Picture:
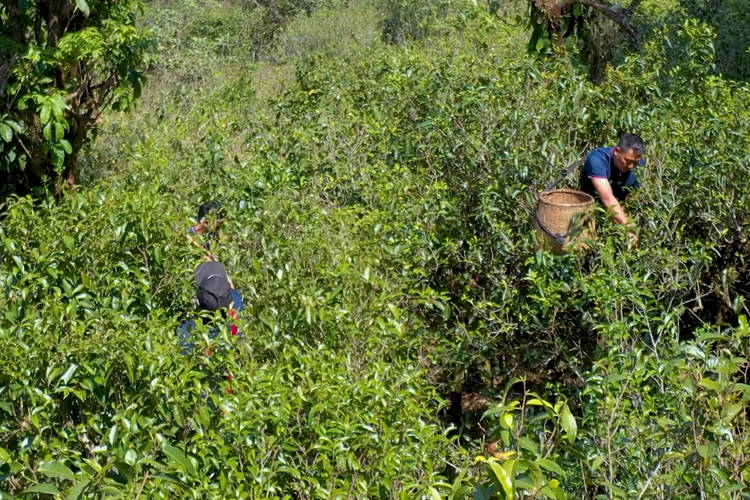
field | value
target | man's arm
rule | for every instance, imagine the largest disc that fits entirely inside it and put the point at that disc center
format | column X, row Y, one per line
column 608, row 199
column 207, row 256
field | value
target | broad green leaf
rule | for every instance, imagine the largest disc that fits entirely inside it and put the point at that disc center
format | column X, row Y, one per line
column 710, row 384
column 171, row 478
column 46, row 488
column 551, row 466
column 65, row 378
column 131, row 457
column 15, row 126
column 553, row 489
column 434, row 494
column 568, row 423
column 507, row 420
column 178, row 457
column 6, row 133
column 457, row 484
column 732, row 411
column 77, row 489
column 499, row 476
column 59, row 133
column 110, row 491
column 55, row 468
column 45, row 114
column 83, row 6
column 539, row 402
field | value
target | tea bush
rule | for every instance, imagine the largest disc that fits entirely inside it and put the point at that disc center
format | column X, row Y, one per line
column 379, row 203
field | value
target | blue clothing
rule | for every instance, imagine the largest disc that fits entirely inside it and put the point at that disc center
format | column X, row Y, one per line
column 599, row 164
column 186, row 328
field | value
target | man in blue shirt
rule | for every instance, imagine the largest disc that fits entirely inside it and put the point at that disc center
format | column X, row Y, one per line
column 609, row 175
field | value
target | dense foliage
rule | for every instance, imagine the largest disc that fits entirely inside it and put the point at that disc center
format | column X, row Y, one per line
column 400, row 320
column 62, row 63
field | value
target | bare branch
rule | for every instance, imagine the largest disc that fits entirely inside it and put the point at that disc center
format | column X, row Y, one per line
column 620, row 16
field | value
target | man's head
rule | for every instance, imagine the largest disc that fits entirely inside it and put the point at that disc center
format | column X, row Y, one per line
column 210, row 215
column 212, row 286
column 628, row 152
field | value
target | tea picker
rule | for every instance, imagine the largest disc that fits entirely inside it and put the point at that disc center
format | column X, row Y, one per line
column 608, row 175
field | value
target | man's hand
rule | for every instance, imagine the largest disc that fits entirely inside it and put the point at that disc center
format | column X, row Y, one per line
column 633, row 239
column 608, row 199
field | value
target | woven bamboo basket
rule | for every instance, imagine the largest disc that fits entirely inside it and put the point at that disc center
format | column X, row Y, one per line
column 565, row 213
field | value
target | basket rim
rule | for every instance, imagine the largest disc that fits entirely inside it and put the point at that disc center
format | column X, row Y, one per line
column 588, row 198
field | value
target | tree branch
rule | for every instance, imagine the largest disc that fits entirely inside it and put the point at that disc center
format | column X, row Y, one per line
column 620, row 16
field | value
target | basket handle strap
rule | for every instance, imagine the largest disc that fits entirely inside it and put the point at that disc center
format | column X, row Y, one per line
column 559, row 238
column 552, row 185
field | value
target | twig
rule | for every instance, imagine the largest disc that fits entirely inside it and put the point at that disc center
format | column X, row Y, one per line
column 143, row 485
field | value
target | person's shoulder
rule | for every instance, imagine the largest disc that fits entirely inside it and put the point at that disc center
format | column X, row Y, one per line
column 597, row 162
column 600, row 152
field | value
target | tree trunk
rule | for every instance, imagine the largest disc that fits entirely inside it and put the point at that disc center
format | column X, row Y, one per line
column 79, row 128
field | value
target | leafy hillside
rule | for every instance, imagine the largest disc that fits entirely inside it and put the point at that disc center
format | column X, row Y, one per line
column 399, row 319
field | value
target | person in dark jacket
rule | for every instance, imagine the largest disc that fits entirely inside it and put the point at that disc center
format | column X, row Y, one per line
column 609, row 174
column 214, row 291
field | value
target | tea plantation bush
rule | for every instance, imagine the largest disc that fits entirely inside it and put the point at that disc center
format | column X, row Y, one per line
column 379, row 227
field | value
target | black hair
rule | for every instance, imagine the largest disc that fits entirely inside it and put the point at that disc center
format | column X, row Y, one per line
column 208, row 207
column 632, row 141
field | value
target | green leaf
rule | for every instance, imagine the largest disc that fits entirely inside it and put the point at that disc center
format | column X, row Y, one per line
column 59, row 131
column 47, row 489
column 507, row 420
column 6, row 133
column 45, row 113
column 55, row 468
column 177, row 456
column 553, row 490
column 732, row 411
column 110, row 491
column 131, row 457
column 540, row 44
column 500, row 477
column 58, row 157
column 73, row 367
column 15, row 126
column 568, row 422
column 710, row 384
column 551, row 466
column 539, row 402
column 528, row 444
column 77, row 489
column 83, row 6
column 171, row 478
